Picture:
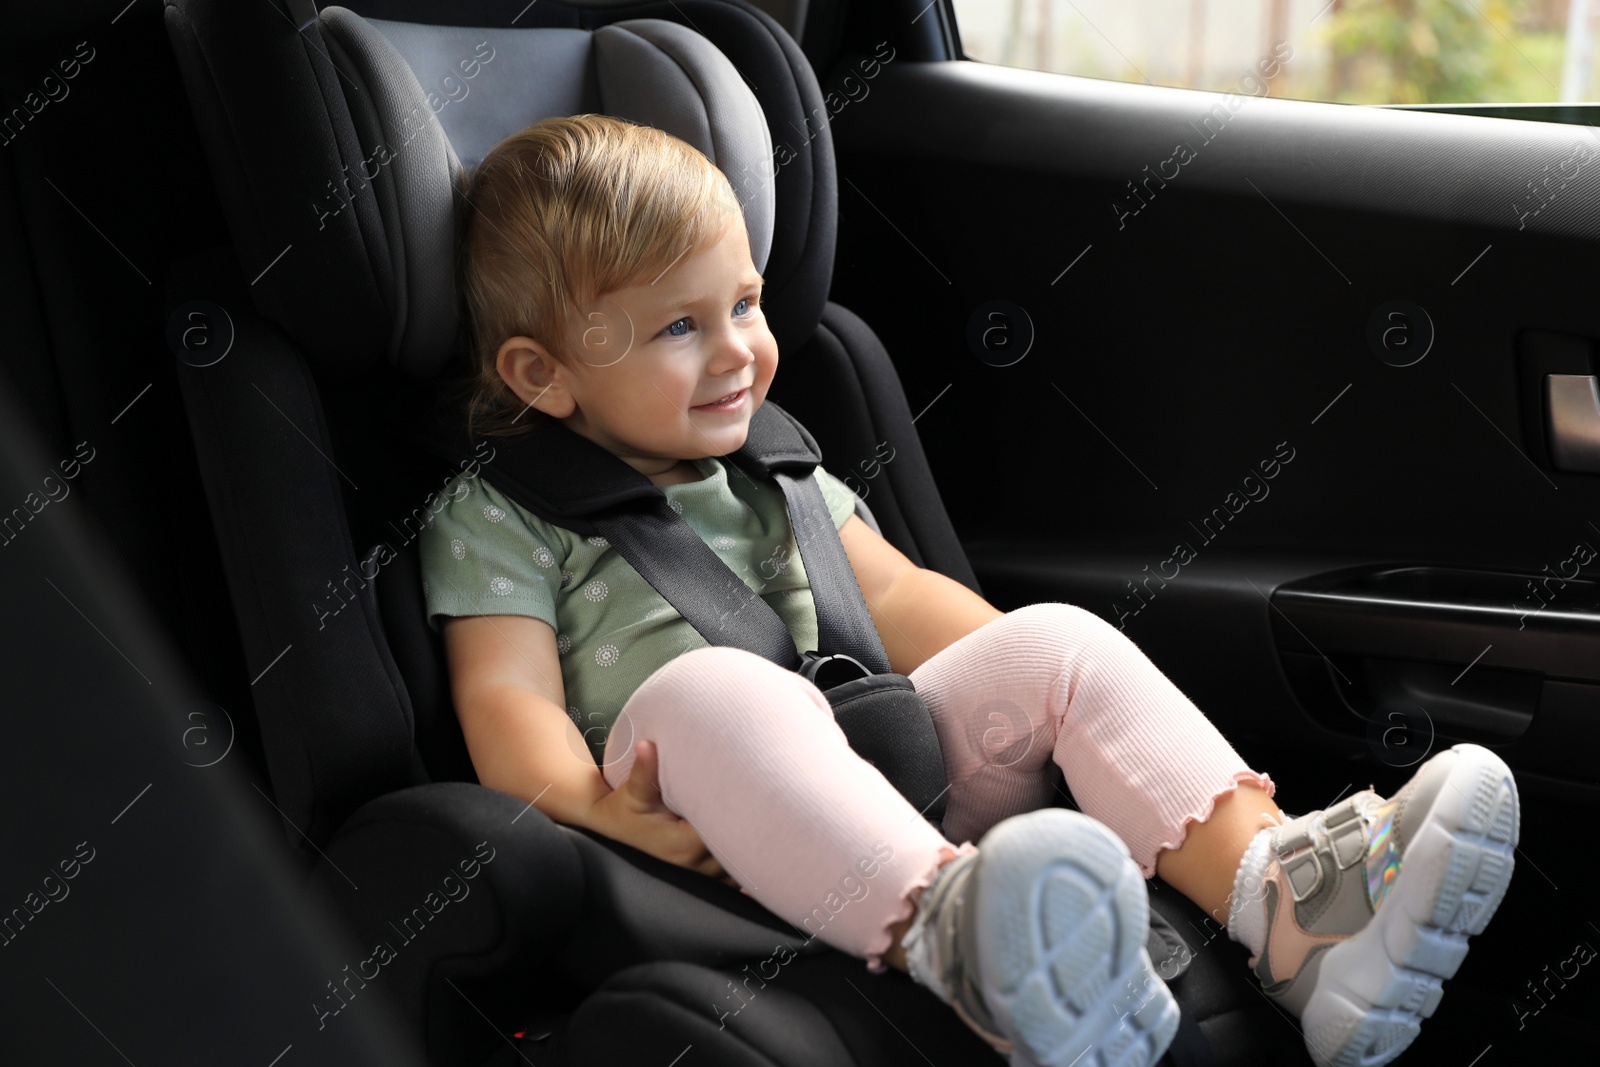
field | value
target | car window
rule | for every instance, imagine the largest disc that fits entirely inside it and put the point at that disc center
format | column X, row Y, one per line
column 1415, row 52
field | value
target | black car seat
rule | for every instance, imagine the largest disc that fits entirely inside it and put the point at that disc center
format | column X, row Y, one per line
column 336, row 140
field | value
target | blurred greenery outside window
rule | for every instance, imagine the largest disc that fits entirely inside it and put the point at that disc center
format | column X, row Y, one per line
column 1415, row 52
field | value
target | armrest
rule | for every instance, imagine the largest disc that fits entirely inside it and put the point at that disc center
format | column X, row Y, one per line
column 454, row 881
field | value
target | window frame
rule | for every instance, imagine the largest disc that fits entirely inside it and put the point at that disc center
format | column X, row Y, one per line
column 946, row 44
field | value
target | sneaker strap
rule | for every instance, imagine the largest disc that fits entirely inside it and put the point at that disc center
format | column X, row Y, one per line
column 1319, row 845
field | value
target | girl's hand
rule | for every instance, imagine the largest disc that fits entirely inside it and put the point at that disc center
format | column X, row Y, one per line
column 636, row 815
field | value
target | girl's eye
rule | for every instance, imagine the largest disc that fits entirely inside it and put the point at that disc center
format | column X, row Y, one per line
column 742, row 309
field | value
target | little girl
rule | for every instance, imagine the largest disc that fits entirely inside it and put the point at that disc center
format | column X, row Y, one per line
column 610, row 286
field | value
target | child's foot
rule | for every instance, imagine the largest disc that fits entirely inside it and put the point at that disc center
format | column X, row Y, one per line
column 1038, row 943
column 1369, row 903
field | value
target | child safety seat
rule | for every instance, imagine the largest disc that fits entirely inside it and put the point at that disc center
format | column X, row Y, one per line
column 305, row 350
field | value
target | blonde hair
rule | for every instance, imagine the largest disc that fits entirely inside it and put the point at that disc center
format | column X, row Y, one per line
column 562, row 212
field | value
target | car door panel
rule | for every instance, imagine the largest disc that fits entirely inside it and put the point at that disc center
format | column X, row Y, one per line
column 1193, row 391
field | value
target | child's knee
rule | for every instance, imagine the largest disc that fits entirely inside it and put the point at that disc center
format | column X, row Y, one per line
column 704, row 670
column 705, row 686
column 1079, row 625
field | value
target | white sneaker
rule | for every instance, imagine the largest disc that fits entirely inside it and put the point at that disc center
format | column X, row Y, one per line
column 1038, row 943
column 1370, row 902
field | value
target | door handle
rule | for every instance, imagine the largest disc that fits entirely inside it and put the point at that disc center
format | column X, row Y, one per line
column 1572, row 408
column 1464, row 645
column 1446, row 615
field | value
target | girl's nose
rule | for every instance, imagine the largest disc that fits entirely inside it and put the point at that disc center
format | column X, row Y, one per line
column 734, row 353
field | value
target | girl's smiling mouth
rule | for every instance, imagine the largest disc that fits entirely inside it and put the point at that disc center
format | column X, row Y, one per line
column 733, row 402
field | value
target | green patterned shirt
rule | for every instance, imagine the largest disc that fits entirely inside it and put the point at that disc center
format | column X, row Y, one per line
column 484, row 554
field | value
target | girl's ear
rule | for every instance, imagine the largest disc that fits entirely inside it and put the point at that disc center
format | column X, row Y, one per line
column 531, row 372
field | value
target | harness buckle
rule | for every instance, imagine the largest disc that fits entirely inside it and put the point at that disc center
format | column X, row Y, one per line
column 827, row 671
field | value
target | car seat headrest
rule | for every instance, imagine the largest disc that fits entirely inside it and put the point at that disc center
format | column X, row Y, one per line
column 336, row 144
column 427, row 102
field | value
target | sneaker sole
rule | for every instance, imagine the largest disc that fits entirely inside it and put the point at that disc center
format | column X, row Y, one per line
column 1374, row 990
column 1062, row 916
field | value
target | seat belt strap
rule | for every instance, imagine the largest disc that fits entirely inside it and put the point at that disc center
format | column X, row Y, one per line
column 780, row 450
column 844, row 622
column 690, row 576
column 571, row 482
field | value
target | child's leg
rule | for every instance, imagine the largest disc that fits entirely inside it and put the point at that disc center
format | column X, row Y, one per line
column 751, row 755
column 1054, row 680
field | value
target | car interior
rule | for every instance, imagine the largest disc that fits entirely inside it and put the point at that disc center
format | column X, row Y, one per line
column 1309, row 411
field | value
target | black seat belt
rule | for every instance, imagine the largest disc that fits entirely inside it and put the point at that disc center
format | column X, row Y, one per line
column 571, row 482
column 681, row 566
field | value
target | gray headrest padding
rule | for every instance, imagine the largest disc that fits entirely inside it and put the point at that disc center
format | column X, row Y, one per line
column 529, row 75
column 439, row 97
column 665, row 75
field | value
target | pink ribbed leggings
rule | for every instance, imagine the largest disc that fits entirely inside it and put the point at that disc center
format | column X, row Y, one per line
column 750, row 755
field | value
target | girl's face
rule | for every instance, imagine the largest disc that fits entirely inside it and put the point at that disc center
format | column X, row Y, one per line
column 650, row 356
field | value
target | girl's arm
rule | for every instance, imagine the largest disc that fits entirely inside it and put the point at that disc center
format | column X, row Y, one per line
column 505, row 679
column 917, row 612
